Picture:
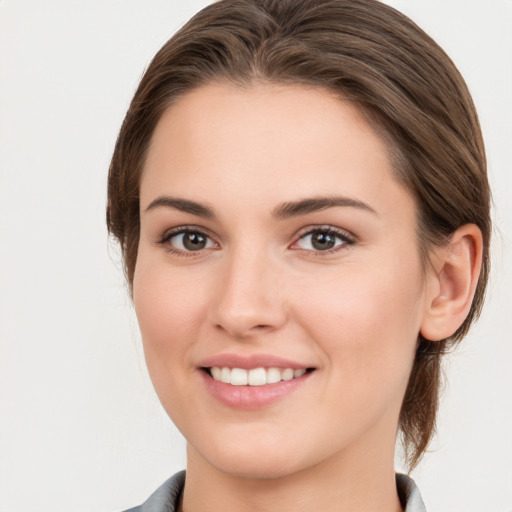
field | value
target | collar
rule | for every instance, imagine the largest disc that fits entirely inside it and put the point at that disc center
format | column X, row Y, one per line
column 167, row 497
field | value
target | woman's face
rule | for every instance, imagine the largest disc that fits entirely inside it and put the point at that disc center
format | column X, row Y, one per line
column 278, row 284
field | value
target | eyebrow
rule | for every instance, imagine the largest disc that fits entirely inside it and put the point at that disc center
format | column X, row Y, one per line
column 183, row 205
column 281, row 212
column 315, row 204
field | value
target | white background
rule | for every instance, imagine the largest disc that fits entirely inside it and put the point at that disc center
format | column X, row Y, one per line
column 80, row 427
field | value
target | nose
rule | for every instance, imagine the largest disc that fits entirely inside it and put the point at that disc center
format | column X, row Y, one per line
column 249, row 301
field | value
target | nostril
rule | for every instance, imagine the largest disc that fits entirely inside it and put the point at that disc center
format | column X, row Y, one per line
column 240, row 328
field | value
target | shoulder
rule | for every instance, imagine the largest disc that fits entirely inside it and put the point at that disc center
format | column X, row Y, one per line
column 409, row 494
column 166, row 498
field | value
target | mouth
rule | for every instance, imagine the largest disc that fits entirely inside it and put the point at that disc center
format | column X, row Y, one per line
column 253, row 381
column 259, row 376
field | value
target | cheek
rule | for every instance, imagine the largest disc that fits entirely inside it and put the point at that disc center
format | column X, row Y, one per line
column 366, row 300
column 366, row 321
column 167, row 311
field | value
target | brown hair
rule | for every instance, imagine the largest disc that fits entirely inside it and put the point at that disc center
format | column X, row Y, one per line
column 365, row 52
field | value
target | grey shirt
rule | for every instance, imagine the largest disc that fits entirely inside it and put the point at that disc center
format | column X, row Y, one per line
column 167, row 497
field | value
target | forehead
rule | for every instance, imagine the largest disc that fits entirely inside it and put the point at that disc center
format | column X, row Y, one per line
column 266, row 141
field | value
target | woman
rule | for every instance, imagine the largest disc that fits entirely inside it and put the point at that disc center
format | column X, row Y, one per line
column 299, row 190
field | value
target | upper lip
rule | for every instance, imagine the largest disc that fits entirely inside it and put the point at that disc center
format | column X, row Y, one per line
column 249, row 361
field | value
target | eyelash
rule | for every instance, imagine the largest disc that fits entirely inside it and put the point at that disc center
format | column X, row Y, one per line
column 168, row 235
column 345, row 237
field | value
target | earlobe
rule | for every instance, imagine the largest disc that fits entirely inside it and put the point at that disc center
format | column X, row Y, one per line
column 452, row 282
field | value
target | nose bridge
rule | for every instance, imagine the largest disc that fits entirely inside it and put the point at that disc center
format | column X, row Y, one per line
column 248, row 299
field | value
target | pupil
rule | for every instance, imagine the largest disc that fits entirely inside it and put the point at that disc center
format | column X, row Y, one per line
column 323, row 241
column 194, row 241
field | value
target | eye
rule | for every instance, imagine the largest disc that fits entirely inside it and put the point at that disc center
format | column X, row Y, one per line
column 187, row 240
column 323, row 240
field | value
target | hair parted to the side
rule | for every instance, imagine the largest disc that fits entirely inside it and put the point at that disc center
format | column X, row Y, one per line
column 364, row 52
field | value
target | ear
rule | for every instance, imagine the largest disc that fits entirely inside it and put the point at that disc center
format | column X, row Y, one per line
column 451, row 283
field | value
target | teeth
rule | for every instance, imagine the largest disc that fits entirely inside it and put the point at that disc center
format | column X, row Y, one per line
column 287, row 374
column 257, row 377
column 225, row 375
column 239, row 376
column 254, row 377
column 273, row 375
column 216, row 373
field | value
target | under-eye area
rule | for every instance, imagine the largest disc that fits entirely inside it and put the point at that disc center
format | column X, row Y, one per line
column 256, row 376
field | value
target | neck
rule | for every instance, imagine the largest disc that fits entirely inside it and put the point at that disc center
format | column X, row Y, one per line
column 355, row 484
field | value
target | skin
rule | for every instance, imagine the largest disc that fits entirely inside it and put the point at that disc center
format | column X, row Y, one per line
column 352, row 313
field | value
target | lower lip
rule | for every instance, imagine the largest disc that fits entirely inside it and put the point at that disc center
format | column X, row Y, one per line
column 252, row 397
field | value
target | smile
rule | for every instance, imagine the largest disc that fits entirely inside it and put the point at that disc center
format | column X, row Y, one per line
column 253, row 381
column 254, row 377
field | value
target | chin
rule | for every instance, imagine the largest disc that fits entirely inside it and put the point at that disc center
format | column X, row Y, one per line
column 256, row 470
column 251, row 461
